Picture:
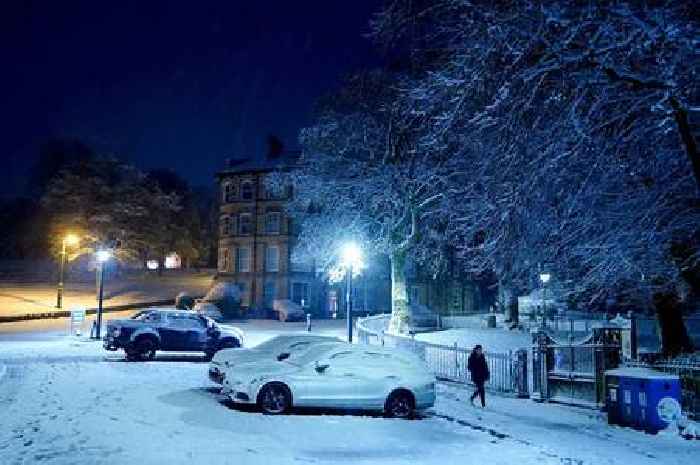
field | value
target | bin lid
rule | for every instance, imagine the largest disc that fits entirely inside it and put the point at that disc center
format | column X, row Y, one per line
column 639, row 372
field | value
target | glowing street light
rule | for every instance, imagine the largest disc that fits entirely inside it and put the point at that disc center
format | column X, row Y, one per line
column 102, row 257
column 351, row 261
column 69, row 240
column 544, row 277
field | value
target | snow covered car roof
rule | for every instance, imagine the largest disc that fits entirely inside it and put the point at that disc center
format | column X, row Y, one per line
column 272, row 347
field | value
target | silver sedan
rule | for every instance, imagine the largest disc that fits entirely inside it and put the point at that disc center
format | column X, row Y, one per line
column 335, row 376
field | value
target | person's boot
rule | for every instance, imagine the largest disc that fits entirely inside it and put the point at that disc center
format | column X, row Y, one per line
column 471, row 401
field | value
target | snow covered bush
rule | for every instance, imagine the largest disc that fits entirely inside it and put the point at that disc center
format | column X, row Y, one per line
column 184, row 301
column 208, row 309
column 227, row 298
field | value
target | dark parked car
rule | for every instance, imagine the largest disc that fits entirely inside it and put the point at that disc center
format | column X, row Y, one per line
column 170, row 330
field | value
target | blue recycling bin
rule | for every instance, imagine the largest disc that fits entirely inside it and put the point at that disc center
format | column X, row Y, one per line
column 639, row 397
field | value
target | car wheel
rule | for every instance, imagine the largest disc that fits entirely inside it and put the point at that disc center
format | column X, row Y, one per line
column 400, row 404
column 274, row 399
column 146, row 348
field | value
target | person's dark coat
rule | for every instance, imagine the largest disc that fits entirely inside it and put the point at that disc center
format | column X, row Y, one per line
column 478, row 367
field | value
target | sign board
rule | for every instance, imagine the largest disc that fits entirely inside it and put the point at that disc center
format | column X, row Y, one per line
column 77, row 319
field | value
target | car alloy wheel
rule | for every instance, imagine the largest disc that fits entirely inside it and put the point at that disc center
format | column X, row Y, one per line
column 274, row 399
column 400, row 405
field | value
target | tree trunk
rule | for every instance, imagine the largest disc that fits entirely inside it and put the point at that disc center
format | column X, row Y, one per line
column 512, row 311
column 685, row 131
column 674, row 336
column 400, row 317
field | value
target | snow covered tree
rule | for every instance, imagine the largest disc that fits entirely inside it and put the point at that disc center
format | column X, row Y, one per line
column 108, row 203
column 363, row 176
column 580, row 113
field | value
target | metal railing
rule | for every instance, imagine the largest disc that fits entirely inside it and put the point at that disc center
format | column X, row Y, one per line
column 447, row 362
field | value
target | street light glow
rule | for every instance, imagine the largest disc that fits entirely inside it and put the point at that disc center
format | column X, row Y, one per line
column 103, row 255
column 545, row 277
column 352, row 256
column 71, row 240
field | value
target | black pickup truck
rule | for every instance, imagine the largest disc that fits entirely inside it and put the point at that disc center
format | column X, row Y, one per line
column 170, row 330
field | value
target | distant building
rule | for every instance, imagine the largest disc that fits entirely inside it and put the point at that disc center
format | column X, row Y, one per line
column 450, row 294
column 256, row 239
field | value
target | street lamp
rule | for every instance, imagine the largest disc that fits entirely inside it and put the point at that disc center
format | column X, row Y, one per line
column 68, row 240
column 352, row 262
column 102, row 257
column 544, row 277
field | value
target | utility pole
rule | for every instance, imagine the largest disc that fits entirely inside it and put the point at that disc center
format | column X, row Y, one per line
column 348, row 298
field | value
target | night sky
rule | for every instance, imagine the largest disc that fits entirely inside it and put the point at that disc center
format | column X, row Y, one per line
column 176, row 84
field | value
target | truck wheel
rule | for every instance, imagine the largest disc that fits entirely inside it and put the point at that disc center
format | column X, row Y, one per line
column 146, row 348
column 131, row 355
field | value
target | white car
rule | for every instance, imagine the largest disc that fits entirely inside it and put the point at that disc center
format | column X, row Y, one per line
column 335, row 376
column 287, row 310
column 268, row 350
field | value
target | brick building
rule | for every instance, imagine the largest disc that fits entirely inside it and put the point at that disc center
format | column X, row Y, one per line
column 256, row 239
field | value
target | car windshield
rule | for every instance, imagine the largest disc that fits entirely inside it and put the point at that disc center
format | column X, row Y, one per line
column 312, row 354
column 271, row 345
column 141, row 316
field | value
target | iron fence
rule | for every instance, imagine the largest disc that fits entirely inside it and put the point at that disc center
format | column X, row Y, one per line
column 447, row 362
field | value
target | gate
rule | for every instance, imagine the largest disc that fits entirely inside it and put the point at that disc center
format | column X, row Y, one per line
column 573, row 371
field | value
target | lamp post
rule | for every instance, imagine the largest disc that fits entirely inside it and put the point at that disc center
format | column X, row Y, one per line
column 351, row 262
column 102, row 257
column 69, row 240
column 544, row 278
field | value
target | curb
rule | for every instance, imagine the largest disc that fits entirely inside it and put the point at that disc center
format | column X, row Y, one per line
column 89, row 311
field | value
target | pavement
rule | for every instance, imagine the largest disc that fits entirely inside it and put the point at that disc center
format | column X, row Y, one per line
column 33, row 298
column 64, row 400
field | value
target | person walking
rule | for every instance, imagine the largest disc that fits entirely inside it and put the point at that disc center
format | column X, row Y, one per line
column 479, row 370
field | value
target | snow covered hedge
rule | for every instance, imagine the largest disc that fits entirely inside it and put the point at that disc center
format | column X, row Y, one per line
column 184, row 301
column 227, row 297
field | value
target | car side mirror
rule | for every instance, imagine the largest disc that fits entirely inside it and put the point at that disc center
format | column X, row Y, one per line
column 321, row 368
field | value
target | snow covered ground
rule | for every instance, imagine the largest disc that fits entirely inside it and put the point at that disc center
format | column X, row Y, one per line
column 492, row 339
column 32, row 297
column 67, row 401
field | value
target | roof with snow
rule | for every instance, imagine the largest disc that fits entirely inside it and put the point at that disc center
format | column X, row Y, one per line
column 284, row 161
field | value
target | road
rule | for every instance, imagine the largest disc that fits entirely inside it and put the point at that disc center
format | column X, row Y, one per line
column 67, row 401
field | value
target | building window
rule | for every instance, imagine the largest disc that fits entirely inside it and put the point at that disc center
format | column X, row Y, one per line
column 229, row 192
column 225, row 259
column 272, row 258
column 243, row 260
column 226, row 226
column 247, row 190
column 272, row 223
column 274, row 191
column 300, row 294
column 245, row 224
